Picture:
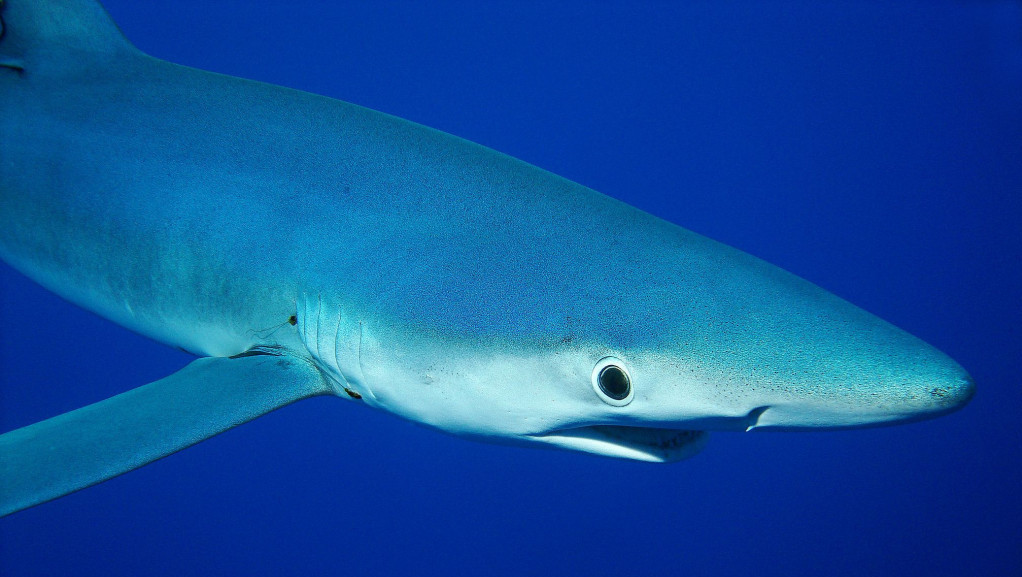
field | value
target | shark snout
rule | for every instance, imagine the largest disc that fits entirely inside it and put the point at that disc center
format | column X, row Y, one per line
column 955, row 395
column 916, row 392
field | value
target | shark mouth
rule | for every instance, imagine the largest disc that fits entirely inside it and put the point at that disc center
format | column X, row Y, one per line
column 637, row 443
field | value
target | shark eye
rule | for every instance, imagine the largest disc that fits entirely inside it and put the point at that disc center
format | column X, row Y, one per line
column 611, row 382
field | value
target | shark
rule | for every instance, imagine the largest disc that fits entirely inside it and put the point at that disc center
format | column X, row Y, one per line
column 304, row 246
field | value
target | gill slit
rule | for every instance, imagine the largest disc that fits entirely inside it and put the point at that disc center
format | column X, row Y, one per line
column 319, row 322
column 360, row 370
column 337, row 346
column 303, row 325
column 306, row 324
column 362, row 373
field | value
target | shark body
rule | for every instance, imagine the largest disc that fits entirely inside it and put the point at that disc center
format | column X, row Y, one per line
column 306, row 246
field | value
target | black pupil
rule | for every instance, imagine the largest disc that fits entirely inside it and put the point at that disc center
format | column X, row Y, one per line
column 614, row 382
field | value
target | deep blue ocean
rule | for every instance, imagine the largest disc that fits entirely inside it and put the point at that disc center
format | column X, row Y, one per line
column 874, row 148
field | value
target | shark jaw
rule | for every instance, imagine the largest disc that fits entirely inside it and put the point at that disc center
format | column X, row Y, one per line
column 649, row 444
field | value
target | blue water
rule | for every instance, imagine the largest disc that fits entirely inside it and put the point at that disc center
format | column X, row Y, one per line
column 874, row 148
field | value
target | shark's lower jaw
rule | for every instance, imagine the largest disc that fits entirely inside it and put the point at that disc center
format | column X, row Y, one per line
column 638, row 443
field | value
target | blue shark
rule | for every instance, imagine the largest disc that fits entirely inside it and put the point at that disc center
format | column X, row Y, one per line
column 305, row 246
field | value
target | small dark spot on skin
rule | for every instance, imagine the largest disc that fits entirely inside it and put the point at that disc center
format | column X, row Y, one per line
column 352, row 394
column 292, row 320
column 567, row 338
column 939, row 392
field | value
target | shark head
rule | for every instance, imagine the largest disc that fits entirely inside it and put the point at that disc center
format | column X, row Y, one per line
column 593, row 326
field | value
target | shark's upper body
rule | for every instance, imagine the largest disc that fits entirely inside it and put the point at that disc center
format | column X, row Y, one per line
column 422, row 273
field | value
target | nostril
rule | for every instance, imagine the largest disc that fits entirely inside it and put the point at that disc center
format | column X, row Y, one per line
column 753, row 417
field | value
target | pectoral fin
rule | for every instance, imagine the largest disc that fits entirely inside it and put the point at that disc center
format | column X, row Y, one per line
column 72, row 451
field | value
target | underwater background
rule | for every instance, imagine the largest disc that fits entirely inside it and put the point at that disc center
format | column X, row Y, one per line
column 874, row 148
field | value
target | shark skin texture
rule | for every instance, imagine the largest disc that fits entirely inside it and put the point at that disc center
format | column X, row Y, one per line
column 314, row 247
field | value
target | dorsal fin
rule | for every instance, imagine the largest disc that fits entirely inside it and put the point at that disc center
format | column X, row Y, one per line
column 39, row 35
